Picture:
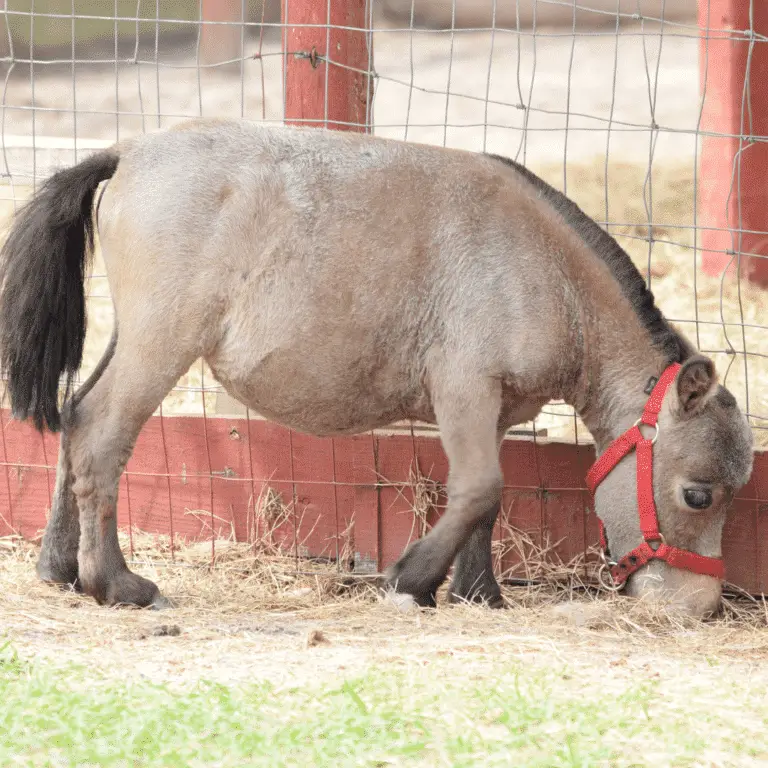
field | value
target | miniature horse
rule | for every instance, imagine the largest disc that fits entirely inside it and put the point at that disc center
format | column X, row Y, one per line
column 336, row 283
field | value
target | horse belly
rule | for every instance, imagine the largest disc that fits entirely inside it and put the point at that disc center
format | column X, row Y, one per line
column 319, row 389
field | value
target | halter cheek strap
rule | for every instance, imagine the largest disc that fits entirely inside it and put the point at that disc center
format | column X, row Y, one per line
column 653, row 547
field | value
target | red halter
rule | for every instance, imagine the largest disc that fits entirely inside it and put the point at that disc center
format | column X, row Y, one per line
column 653, row 547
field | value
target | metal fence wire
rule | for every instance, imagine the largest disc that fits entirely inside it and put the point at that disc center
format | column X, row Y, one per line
column 607, row 103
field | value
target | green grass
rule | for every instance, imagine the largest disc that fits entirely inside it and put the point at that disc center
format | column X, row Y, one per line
column 486, row 711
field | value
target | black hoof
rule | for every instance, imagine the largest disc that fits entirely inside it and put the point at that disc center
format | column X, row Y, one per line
column 59, row 574
column 127, row 589
column 412, row 575
column 484, row 591
column 403, row 599
column 476, row 598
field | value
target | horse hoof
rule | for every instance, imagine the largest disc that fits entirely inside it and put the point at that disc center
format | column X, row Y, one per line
column 493, row 602
column 161, row 603
column 126, row 589
column 58, row 575
column 490, row 598
column 408, row 577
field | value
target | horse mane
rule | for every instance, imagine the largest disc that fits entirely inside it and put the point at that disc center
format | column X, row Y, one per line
column 663, row 336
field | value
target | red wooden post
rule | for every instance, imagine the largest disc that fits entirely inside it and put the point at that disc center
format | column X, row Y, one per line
column 221, row 42
column 734, row 71
column 308, row 51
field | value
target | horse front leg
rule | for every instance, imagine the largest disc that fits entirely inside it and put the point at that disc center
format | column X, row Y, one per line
column 473, row 578
column 468, row 421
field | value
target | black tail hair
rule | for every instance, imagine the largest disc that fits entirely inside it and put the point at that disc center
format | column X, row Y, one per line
column 43, row 265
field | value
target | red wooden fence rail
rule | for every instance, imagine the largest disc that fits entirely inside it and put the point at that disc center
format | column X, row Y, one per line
column 352, row 494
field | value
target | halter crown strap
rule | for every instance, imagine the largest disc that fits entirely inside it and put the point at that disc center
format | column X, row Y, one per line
column 653, row 405
column 653, row 546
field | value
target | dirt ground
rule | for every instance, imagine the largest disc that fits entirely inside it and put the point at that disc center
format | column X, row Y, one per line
column 258, row 618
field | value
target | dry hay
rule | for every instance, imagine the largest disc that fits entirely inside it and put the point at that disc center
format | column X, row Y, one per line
column 246, row 610
column 251, row 609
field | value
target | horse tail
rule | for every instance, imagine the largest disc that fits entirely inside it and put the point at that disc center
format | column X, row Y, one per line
column 43, row 265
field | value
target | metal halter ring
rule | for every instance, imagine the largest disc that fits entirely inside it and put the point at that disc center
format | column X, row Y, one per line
column 605, row 568
column 655, row 426
column 607, row 583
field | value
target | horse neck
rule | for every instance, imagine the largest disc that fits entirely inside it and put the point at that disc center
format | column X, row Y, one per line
column 618, row 361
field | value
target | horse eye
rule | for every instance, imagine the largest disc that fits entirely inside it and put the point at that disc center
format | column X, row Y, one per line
column 697, row 498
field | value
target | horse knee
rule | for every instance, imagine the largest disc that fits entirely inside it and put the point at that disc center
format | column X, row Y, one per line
column 478, row 497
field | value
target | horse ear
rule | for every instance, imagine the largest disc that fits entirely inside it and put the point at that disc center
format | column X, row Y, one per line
column 696, row 383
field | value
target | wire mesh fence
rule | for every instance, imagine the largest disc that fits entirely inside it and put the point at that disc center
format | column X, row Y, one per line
column 605, row 100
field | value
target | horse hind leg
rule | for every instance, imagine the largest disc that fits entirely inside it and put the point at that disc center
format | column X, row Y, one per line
column 101, row 432
column 473, row 578
column 468, row 420
column 57, row 563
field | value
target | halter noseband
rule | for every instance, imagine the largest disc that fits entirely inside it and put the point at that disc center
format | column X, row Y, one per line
column 654, row 547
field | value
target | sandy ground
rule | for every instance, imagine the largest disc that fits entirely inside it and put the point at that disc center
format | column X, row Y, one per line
column 250, row 620
column 253, row 621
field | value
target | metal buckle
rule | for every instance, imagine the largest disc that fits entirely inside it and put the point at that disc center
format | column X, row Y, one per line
column 655, row 426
